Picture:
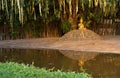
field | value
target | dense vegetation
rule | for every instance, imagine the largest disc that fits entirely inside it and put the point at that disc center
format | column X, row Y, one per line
column 15, row 70
column 28, row 18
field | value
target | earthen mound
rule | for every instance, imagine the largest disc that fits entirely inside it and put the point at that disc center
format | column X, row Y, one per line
column 86, row 34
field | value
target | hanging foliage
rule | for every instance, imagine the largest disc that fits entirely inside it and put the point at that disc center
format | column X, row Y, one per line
column 23, row 8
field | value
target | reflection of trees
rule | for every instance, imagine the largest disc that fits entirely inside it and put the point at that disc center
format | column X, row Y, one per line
column 105, row 66
column 40, row 58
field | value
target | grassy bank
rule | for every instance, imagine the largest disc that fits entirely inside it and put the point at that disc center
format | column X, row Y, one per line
column 15, row 70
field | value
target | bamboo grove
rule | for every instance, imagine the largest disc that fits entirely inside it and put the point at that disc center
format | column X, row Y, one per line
column 20, row 12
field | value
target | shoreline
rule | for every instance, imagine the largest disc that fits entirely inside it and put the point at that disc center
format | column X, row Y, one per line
column 108, row 45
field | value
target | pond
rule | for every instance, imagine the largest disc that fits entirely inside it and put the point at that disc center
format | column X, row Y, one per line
column 100, row 65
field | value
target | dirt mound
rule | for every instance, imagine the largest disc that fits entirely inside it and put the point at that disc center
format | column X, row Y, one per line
column 86, row 34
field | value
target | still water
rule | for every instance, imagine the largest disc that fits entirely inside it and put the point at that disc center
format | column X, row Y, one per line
column 99, row 65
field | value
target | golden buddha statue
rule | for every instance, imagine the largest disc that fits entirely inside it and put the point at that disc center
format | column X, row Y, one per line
column 81, row 25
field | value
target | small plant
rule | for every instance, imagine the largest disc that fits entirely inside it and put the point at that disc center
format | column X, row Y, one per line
column 15, row 70
column 14, row 34
column 65, row 26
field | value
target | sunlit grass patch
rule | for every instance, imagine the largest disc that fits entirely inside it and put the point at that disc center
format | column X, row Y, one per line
column 15, row 70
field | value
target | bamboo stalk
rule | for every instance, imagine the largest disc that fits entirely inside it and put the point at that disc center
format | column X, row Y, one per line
column 35, row 15
column 82, row 5
column 18, row 4
column 11, row 17
column 6, row 5
column 100, row 3
column 15, row 8
column 22, row 16
column 96, row 2
column 2, row 4
column 70, row 6
column 32, row 7
column 104, row 5
column 40, row 7
column 90, row 2
column 54, row 7
column 63, row 2
column 77, row 2
column 60, row 5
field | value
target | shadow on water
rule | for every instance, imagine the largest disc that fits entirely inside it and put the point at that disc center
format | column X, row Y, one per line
column 99, row 65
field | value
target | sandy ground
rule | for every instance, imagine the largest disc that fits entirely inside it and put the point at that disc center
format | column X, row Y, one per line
column 110, row 44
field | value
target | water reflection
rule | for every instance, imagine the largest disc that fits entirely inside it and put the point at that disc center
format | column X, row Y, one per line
column 105, row 66
column 81, row 57
column 100, row 65
column 41, row 58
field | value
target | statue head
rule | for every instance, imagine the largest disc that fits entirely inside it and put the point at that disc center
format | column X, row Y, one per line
column 81, row 20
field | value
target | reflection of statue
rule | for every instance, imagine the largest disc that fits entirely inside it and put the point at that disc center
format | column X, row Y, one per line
column 81, row 57
column 81, row 64
column 75, row 55
column 81, row 25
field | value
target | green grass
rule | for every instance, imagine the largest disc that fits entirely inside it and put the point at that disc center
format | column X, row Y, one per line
column 15, row 70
